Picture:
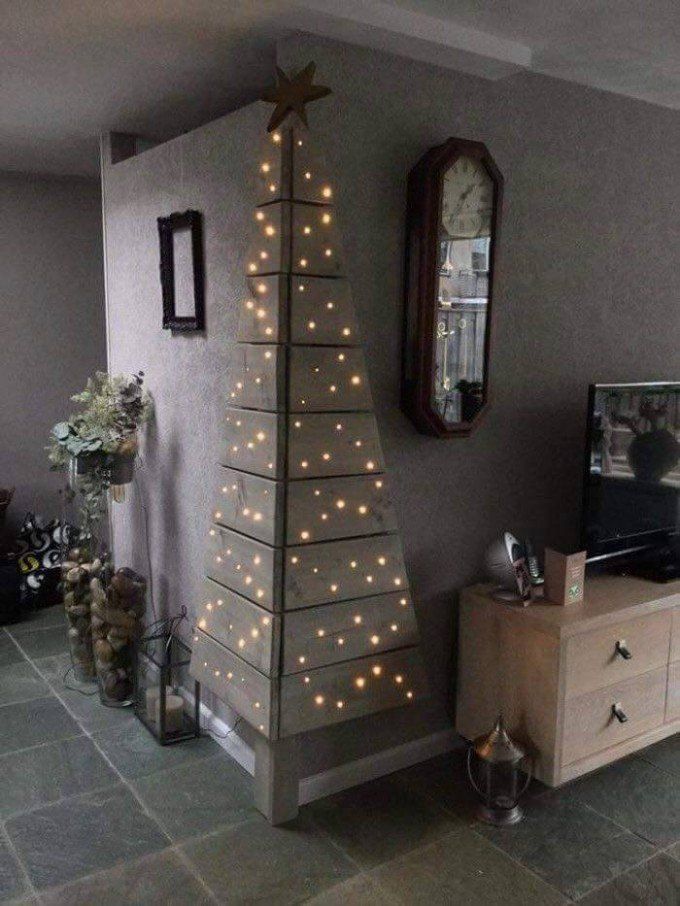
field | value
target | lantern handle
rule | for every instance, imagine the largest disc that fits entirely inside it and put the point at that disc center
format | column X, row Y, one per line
column 470, row 775
column 529, row 776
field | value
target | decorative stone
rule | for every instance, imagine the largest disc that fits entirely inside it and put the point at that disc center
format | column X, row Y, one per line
column 77, row 605
column 73, row 576
column 123, row 584
column 115, row 642
column 115, row 629
column 103, row 651
column 117, row 617
column 119, row 633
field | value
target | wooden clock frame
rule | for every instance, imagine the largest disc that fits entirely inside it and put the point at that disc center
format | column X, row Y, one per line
column 424, row 201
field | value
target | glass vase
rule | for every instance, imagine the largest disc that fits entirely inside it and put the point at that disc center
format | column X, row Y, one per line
column 115, row 626
column 81, row 577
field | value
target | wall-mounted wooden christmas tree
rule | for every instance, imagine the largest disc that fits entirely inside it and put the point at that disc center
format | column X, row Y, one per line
column 307, row 618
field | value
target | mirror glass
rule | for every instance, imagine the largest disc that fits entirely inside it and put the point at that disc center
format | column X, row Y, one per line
column 465, row 242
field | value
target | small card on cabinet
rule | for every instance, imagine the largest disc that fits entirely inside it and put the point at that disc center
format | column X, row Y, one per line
column 564, row 577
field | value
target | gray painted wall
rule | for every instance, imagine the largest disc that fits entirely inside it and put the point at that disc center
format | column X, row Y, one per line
column 585, row 291
column 51, row 322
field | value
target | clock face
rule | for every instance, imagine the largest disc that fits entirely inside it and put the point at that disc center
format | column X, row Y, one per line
column 467, row 200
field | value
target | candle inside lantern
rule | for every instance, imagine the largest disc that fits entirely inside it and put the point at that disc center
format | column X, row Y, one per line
column 153, row 695
column 174, row 708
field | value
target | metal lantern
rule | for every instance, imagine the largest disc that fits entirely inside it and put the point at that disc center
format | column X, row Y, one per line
column 161, row 673
column 493, row 766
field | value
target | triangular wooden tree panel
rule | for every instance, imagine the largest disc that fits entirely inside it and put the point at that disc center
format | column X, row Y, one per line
column 307, row 618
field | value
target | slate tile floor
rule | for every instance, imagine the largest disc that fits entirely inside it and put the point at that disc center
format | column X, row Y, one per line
column 93, row 811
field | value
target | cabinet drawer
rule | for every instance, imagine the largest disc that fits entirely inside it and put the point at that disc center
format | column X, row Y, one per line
column 593, row 661
column 673, row 697
column 591, row 726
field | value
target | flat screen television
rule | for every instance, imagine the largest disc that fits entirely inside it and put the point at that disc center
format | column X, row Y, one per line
column 631, row 497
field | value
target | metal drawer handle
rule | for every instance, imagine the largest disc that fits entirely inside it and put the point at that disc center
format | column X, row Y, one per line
column 619, row 713
column 622, row 649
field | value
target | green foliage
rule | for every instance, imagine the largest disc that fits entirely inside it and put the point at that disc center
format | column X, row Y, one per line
column 112, row 409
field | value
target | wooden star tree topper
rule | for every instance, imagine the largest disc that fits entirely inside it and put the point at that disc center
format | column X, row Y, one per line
column 291, row 95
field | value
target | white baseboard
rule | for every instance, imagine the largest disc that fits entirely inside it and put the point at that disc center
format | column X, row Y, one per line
column 224, row 734
column 344, row 776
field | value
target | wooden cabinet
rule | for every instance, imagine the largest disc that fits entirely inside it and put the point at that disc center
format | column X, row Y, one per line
column 561, row 675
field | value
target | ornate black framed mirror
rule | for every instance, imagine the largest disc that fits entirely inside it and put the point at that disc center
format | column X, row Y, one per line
column 192, row 282
column 453, row 219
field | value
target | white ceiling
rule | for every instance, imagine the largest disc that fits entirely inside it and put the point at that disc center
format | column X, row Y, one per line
column 630, row 47
column 71, row 69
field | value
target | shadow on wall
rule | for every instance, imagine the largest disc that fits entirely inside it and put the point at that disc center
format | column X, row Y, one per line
column 159, row 459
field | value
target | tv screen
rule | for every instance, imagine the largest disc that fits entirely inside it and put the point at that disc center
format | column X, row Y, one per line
column 632, row 473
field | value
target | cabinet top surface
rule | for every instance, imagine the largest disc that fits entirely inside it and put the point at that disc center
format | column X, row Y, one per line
column 607, row 599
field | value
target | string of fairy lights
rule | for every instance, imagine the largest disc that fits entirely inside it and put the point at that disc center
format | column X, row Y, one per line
column 344, row 590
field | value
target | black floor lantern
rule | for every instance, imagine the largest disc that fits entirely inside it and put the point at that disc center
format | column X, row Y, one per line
column 494, row 768
column 162, row 662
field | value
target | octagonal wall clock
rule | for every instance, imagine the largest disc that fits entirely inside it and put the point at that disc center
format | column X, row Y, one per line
column 453, row 219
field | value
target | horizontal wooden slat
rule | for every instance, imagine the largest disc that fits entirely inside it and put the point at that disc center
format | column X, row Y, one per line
column 248, row 504
column 318, row 636
column 270, row 236
column 271, row 244
column 274, row 161
column 239, row 625
column 235, row 682
column 252, row 442
column 262, row 311
column 310, row 172
column 328, row 379
column 325, row 509
column 352, row 689
column 321, row 311
column 256, row 376
column 323, row 445
column 310, row 181
column 316, row 243
column 343, row 570
column 246, row 566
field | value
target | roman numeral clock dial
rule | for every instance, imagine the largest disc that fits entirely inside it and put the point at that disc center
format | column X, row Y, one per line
column 467, row 200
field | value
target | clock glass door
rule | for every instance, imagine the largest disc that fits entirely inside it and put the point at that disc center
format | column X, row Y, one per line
column 462, row 291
